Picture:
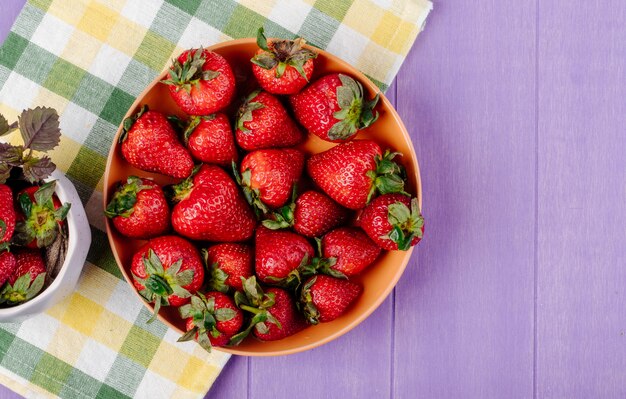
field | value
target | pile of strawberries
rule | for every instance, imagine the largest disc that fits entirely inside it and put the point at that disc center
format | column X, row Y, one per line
column 248, row 242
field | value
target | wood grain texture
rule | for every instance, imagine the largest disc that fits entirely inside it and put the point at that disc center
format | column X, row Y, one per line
column 581, row 297
column 464, row 311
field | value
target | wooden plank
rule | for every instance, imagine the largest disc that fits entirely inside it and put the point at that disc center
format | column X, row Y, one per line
column 581, row 296
column 357, row 365
column 464, row 308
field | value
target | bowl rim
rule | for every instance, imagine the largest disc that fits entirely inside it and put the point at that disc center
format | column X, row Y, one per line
column 66, row 192
column 370, row 86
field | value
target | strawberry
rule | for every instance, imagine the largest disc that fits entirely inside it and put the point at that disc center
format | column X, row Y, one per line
column 312, row 215
column 393, row 221
column 210, row 139
column 279, row 254
column 351, row 248
column 139, row 209
column 268, row 176
column 228, row 263
column 282, row 66
column 275, row 313
column 27, row 279
column 150, row 143
column 210, row 207
column 7, row 266
column 351, row 173
column 211, row 319
column 167, row 271
column 201, row 82
column 333, row 107
column 41, row 216
column 263, row 122
column 324, row 298
column 7, row 214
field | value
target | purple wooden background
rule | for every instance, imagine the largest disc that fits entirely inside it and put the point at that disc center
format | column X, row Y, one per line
column 518, row 114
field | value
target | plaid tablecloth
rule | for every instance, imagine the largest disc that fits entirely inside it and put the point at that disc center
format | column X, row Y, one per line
column 89, row 60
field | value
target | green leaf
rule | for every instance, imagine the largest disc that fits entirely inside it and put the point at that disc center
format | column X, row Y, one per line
column 43, row 195
column 22, row 283
column 264, row 60
column 36, row 286
column 180, row 291
column 225, row 314
column 159, row 286
column 261, row 40
column 5, row 172
column 174, row 268
column 186, row 310
column 189, row 335
column 345, row 97
column 245, row 114
column 280, row 69
column 26, row 205
column 4, row 125
column 40, row 128
column 398, row 214
column 37, row 169
column 341, row 130
column 185, row 277
column 240, row 299
column 11, row 154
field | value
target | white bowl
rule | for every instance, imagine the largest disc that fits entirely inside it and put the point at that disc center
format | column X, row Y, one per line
column 79, row 240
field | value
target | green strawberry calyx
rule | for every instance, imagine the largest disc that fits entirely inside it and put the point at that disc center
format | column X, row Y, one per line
column 160, row 282
column 283, row 217
column 388, row 177
column 307, row 304
column 130, row 121
column 244, row 114
column 190, row 72
column 217, row 276
column 178, row 192
column 205, row 316
column 407, row 224
column 280, row 54
column 252, row 195
column 23, row 289
column 355, row 112
column 42, row 220
column 193, row 123
column 123, row 201
column 256, row 302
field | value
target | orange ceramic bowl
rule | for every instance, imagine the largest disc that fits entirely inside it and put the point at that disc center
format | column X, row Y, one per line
column 378, row 279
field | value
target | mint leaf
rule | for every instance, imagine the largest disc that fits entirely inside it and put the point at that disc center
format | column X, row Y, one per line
column 40, row 128
column 36, row 169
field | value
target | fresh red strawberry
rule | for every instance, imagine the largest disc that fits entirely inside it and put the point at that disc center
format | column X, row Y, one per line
column 268, row 176
column 263, row 122
column 228, row 264
column 7, row 214
column 7, row 266
column 351, row 248
column 210, row 139
column 27, row 279
column 201, row 82
column 275, row 313
column 351, row 173
column 139, row 209
column 211, row 320
column 312, row 215
column 41, row 216
column 167, row 271
column 393, row 221
column 334, row 108
column 324, row 298
column 212, row 208
column 278, row 254
column 282, row 66
column 150, row 143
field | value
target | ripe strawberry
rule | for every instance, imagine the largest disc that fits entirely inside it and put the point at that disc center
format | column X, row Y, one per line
column 275, row 313
column 201, row 82
column 211, row 320
column 41, row 216
column 139, row 209
column 167, row 271
column 278, row 255
column 351, row 248
column 27, row 279
column 312, row 215
column 210, row 139
column 212, row 208
column 150, row 143
column 268, row 176
column 333, row 107
column 390, row 222
column 351, row 173
column 263, row 122
column 228, row 264
column 282, row 66
column 7, row 266
column 7, row 214
column 324, row 298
